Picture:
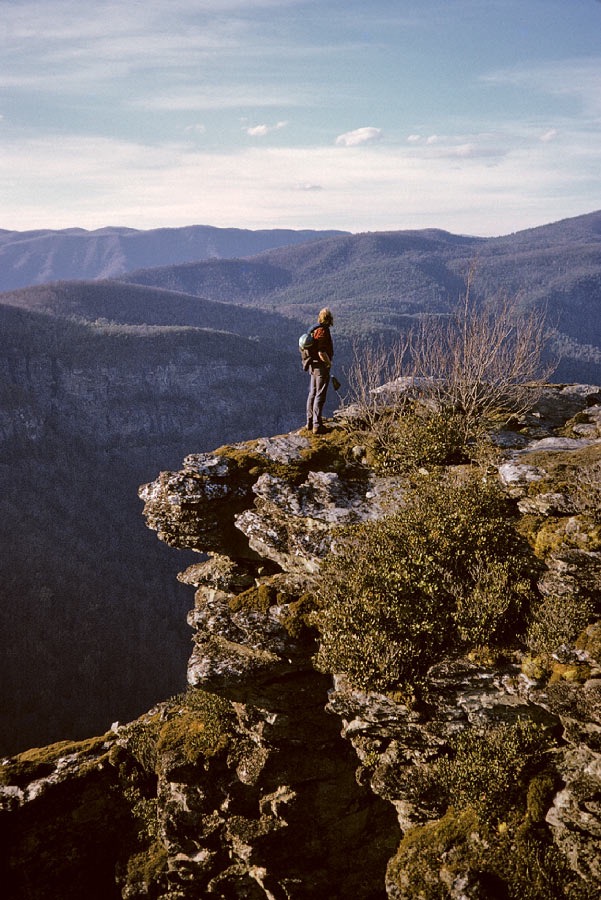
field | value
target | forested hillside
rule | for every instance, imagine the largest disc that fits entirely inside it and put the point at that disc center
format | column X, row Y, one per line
column 378, row 282
column 110, row 304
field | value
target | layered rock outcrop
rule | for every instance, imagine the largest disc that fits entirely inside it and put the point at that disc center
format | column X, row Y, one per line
column 269, row 779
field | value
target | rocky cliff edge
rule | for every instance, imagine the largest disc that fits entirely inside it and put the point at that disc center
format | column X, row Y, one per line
column 269, row 779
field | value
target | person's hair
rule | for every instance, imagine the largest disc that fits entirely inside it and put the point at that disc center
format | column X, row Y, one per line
column 325, row 316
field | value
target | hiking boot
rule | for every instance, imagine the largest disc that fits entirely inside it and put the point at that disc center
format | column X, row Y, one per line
column 319, row 429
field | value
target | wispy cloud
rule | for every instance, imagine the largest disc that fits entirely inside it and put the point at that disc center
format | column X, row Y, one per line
column 60, row 45
column 471, row 146
column 366, row 135
column 380, row 188
column 198, row 128
column 579, row 79
column 223, row 96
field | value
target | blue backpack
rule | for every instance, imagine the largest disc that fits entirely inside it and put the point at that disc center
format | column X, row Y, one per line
column 306, row 345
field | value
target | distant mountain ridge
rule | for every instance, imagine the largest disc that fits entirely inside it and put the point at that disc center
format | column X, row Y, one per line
column 376, row 283
column 45, row 255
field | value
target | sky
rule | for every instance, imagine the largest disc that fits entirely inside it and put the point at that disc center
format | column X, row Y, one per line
column 480, row 117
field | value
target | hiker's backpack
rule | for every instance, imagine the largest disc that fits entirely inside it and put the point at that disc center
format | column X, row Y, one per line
column 306, row 345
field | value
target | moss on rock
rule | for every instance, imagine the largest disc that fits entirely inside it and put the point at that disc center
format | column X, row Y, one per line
column 40, row 762
column 589, row 640
column 259, row 597
column 201, row 728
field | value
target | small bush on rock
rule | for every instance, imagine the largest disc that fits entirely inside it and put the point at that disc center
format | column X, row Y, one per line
column 556, row 621
column 485, row 606
column 400, row 591
column 495, row 788
column 490, row 769
column 588, row 491
column 421, row 438
column 514, row 864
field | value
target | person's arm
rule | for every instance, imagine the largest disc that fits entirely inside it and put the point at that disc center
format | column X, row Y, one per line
column 325, row 358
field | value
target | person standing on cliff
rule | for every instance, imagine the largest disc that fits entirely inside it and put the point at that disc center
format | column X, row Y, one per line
column 322, row 352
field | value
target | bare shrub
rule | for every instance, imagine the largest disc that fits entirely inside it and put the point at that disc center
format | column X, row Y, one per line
column 375, row 367
column 426, row 398
column 481, row 360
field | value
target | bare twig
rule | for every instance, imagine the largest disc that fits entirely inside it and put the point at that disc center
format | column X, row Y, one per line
column 482, row 360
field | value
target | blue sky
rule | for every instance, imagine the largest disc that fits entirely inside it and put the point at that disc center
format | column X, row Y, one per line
column 476, row 116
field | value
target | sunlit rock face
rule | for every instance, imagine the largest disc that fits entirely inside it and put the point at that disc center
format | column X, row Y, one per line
column 269, row 779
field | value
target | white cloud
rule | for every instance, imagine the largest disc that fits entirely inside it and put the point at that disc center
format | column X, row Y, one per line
column 414, row 138
column 548, row 135
column 366, row 135
column 484, row 145
column 262, row 130
column 79, row 48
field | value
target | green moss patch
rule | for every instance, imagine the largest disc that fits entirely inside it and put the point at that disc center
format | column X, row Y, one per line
column 561, row 467
column 296, row 612
column 259, row 597
column 331, row 452
column 416, row 867
column 201, row 728
column 147, row 868
column 299, row 615
column 515, row 861
column 39, row 762
column 569, row 672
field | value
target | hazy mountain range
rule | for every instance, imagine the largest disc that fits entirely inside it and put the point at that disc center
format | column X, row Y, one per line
column 36, row 257
column 105, row 382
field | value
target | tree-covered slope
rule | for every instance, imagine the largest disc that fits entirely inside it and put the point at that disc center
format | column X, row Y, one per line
column 92, row 617
column 377, row 282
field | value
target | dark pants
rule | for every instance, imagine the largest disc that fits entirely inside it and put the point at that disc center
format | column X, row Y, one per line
column 320, row 379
